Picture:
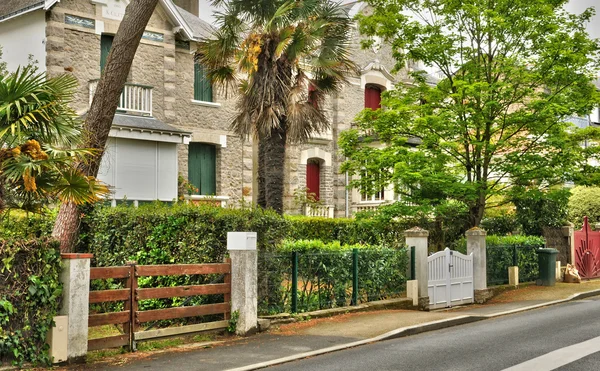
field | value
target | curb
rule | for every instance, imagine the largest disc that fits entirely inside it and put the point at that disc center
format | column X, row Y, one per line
column 413, row 330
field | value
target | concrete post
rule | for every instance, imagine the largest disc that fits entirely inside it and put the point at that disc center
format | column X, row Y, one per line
column 569, row 233
column 597, row 226
column 417, row 237
column 513, row 276
column 244, row 280
column 476, row 245
column 75, row 277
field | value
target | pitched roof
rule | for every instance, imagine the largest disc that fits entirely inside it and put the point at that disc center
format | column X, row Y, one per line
column 200, row 28
column 11, row 8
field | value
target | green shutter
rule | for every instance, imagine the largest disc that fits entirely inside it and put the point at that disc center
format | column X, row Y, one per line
column 202, row 87
column 105, row 45
column 202, row 169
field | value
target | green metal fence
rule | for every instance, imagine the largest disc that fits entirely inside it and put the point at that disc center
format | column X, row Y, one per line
column 500, row 257
column 306, row 281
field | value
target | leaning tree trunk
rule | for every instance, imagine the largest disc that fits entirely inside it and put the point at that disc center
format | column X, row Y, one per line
column 102, row 111
column 274, row 167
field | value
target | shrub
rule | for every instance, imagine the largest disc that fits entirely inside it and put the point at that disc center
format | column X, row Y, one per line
column 19, row 224
column 537, row 209
column 29, row 298
column 502, row 224
column 584, row 201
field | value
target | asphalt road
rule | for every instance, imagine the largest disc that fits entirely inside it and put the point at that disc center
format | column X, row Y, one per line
column 564, row 337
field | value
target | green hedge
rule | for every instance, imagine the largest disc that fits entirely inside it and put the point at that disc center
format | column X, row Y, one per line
column 500, row 251
column 30, row 293
column 21, row 225
column 325, row 275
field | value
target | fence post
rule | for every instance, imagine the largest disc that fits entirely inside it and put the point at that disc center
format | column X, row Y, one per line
column 354, row 276
column 477, row 246
column 244, row 281
column 294, row 281
column 417, row 237
column 75, row 277
column 569, row 234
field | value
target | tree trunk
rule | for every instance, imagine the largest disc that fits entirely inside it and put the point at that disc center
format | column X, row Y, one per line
column 274, row 168
column 261, row 199
column 102, row 111
column 476, row 212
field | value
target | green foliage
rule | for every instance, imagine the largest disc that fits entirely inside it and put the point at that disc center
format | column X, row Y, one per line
column 18, row 224
column 232, row 325
column 325, row 275
column 39, row 133
column 500, row 255
column 536, row 209
column 30, row 293
column 584, row 201
column 502, row 224
column 511, row 73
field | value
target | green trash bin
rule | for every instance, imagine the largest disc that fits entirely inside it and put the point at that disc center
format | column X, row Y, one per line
column 547, row 265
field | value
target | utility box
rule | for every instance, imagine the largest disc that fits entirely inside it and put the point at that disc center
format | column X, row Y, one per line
column 547, row 265
column 58, row 339
column 241, row 240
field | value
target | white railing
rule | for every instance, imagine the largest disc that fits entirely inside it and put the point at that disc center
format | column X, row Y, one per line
column 202, row 199
column 325, row 135
column 371, row 206
column 324, row 211
column 135, row 98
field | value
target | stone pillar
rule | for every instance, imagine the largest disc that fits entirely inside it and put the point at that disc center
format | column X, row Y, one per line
column 417, row 237
column 569, row 233
column 476, row 246
column 75, row 277
column 597, row 226
column 244, row 280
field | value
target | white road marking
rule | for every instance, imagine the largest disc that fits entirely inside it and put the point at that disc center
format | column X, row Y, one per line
column 560, row 357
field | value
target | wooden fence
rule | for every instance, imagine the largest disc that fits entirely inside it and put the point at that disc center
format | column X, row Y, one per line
column 131, row 318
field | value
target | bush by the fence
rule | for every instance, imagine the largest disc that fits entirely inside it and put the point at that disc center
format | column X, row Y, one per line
column 584, row 201
column 502, row 224
column 30, row 293
column 325, row 275
column 24, row 225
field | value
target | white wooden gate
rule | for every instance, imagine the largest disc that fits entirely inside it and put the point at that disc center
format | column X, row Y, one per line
column 450, row 279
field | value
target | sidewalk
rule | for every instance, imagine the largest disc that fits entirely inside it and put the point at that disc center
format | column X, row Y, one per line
column 316, row 336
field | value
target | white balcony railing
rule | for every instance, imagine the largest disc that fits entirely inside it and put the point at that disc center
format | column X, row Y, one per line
column 135, row 98
column 324, row 211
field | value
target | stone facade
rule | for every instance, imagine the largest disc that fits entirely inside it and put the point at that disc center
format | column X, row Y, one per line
column 168, row 66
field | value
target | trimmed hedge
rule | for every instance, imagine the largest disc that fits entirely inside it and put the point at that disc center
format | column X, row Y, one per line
column 30, row 292
column 584, row 201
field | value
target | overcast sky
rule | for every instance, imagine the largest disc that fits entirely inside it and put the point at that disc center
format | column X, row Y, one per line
column 575, row 6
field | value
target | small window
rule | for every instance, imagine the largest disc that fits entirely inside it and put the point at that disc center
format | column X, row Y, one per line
column 313, row 179
column 379, row 196
column 202, row 86
column 202, row 169
column 106, row 42
column 373, row 97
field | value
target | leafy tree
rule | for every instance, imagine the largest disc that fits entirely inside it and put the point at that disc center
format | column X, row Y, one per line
column 38, row 131
column 508, row 75
column 284, row 57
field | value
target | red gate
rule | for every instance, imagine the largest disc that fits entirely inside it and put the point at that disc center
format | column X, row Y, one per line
column 587, row 251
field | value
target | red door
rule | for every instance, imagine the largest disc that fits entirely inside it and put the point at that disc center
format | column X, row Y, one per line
column 372, row 97
column 313, row 181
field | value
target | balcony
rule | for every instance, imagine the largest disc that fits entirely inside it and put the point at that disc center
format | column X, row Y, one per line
column 135, row 99
column 323, row 211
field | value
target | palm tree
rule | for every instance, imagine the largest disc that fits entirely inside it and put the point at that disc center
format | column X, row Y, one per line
column 284, row 58
column 38, row 131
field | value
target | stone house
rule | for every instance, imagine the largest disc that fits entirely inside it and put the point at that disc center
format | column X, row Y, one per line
column 170, row 120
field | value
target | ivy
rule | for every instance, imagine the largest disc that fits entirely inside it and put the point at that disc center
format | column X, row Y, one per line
column 30, row 293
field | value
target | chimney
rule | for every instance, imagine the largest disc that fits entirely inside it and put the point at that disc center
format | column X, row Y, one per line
column 191, row 6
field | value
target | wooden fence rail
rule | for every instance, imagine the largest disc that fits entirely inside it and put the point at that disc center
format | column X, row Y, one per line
column 131, row 317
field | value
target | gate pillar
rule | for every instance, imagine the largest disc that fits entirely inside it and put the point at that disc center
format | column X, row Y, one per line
column 244, row 282
column 75, row 277
column 476, row 245
column 417, row 237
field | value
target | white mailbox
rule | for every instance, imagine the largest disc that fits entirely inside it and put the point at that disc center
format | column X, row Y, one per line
column 241, row 240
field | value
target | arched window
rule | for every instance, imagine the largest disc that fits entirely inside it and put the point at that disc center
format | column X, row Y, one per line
column 373, row 96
